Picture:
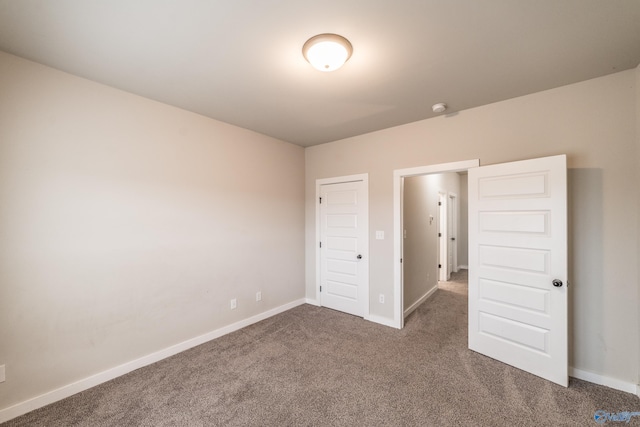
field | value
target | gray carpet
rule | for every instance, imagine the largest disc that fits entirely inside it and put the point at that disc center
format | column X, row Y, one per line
column 313, row 367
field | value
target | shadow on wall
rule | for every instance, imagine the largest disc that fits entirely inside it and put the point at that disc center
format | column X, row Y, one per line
column 585, row 228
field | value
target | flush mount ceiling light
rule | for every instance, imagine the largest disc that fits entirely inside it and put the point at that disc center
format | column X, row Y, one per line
column 327, row 52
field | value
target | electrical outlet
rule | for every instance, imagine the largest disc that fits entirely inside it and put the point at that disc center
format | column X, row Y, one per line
column 379, row 235
column 2, row 377
column 258, row 296
column 381, row 298
column 234, row 304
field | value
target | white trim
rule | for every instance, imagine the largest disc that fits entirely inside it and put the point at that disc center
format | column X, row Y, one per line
column 381, row 320
column 422, row 299
column 443, row 233
column 398, row 176
column 604, row 380
column 364, row 177
column 456, row 229
column 104, row 376
column 312, row 301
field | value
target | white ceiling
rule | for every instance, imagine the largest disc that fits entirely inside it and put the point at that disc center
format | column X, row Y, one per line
column 240, row 61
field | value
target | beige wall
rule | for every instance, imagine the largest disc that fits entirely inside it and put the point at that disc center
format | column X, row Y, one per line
column 594, row 123
column 126, row 226
column 419, row 245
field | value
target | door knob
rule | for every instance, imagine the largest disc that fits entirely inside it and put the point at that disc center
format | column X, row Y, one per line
column 359, row 257
column 557, row 283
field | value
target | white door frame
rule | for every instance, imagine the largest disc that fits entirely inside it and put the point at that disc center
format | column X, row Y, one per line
column 452, row 204
column 364, row 177
column 448, row 230
column 398, row 183
column 443, row 243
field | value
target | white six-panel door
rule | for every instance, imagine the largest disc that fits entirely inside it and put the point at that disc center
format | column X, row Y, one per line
column 518, row 265
column 344, row 254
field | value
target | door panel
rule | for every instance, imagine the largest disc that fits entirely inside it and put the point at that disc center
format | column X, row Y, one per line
column 451, row 201
column 343, row 237
column 517, row 247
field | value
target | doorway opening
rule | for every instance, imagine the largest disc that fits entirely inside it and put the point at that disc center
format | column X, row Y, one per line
column 399, row 182
column 431, row 230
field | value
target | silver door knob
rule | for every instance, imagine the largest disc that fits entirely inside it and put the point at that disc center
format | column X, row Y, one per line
column 557, row 283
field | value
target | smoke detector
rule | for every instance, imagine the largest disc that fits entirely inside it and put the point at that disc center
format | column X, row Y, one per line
column 439, row 107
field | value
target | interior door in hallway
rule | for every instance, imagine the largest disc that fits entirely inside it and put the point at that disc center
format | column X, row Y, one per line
column 452, row 232
column 344, row 252
column 518, row 265
column 443, row 239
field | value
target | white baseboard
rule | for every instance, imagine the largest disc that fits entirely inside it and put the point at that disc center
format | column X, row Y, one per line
column 422, row 299
column 99, row 378
column 372, row 317
column 104, row 376
column 311, row 301
column 604, row 380
column 381, row 320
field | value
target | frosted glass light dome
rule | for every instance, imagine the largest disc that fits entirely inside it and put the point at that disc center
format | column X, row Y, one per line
column 327, row 52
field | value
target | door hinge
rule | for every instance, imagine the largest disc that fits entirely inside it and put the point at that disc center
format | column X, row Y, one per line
column 320, row 244
column 439, row 203
column 439, row 234
column 400, row 260
column 320, row 200
column 439, row 265
column 320, row 288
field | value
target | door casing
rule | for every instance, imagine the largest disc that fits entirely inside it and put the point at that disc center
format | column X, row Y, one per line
column 398, row 180
column 443, row 244
column 452, row 233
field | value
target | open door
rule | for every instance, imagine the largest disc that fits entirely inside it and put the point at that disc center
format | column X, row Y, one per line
column 518, row 265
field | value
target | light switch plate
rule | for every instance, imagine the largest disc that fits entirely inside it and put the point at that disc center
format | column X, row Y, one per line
column 379, row 235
